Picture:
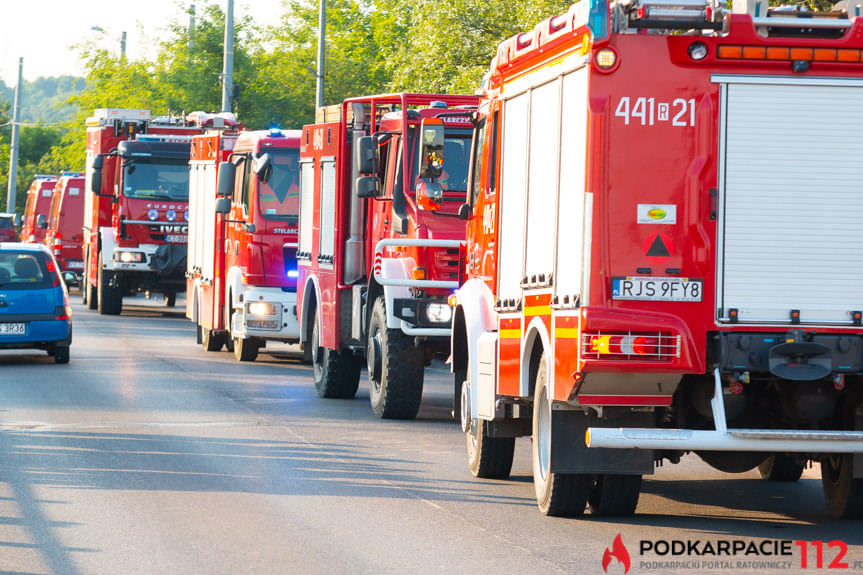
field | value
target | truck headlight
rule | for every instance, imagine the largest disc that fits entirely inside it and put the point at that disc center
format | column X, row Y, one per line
column 262, row 308
column 438, row 312
column 171, row 215
column 152, row 214
column 129, row 257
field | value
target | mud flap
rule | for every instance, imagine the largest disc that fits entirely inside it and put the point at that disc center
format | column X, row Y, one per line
column 569, row 454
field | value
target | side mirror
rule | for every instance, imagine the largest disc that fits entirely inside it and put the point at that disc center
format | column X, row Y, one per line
column 69, row 277
column 223, row 205
column 367, row 155
column 431, row 151
column 227, row 171
column 263, row 167
column 249, row 228
column 96, row 176
column 42, row 221
column 464, row 212
column 429, row 196
column 368, row 187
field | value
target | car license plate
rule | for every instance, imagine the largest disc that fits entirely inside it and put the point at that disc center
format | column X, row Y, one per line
column 75, row 265
column 13, row 328
column 176, row 239
column 656, row 289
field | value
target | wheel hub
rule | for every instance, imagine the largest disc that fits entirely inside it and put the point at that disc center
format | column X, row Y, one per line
column 465, row 407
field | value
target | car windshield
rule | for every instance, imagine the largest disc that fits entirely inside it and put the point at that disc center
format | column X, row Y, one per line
column 456, row 156
column 160, row 179
column 5, row 221
column 279, row 197
column 23, row 270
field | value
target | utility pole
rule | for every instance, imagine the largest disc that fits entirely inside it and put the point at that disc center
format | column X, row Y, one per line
column 228, row 70
column 13, row 151
column 123, row 46
column 191, row 28
column 322, row 24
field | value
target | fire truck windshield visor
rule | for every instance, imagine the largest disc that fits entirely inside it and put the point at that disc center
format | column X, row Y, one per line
column 156, row 178
column 279, row 196
column 456, row 155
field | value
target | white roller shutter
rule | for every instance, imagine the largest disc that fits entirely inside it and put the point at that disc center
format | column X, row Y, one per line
column 791, row 201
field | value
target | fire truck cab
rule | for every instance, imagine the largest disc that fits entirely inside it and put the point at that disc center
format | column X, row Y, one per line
column 663, row 254
column 38, row 204
column 382, row 179
column 243, row 226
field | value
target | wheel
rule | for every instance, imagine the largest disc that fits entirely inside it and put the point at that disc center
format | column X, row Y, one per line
column 61, row 354
column 843, row 493
column 211, row 342
column 396, row 367
column 557, row 494
column 614, row 495
column 170, row 299
column 487, row 457
column 307, row 352
column 246, row 348
column 110, row 297
column 781, row 467
column 336, row 374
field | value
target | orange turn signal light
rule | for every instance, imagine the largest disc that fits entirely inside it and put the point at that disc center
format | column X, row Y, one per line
column 787, row 53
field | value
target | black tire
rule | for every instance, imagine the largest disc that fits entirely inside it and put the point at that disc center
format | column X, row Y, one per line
column 170, row 299
column 843, row 493
column 487, row 457
column 246, row 348
column 110, row 298
column 61, row 354
column 307, row 352
column 336, row 374
column 781, row 467
column 614, row 495
column 210, row 341
column 396, row 368
column 557, row 494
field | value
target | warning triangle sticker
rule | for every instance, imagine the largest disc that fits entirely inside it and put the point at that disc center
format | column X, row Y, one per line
column 658, row 248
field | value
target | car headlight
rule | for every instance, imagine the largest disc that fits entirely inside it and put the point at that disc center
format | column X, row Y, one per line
column 152, row 214
column 262, row 308
column 438, row 312
column 171, row 215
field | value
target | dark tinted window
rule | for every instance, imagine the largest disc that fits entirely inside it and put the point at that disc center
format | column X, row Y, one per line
column 5, row 221
column 24, row 270
column 161, row 180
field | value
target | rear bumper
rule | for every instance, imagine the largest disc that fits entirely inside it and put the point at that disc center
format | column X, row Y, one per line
column 39, row 334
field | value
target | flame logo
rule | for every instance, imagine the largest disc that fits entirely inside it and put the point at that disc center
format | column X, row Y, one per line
column 617, row 551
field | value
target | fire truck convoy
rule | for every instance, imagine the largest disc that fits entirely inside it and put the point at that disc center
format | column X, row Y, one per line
column 38, row 203
column 63, row 225
column 135, row 216
column 382, row 178
column 664, row 251
column 241, row 277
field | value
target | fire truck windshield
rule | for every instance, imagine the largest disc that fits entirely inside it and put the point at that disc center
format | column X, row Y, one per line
column 279, row 197
column 156, row 178
column 456, row 155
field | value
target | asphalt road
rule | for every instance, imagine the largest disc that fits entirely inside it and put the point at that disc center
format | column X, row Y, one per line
column 147, row 455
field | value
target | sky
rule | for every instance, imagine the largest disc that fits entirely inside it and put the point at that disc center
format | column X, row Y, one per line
column 43, row 32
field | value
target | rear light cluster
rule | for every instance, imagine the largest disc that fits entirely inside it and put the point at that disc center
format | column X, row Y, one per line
column 631, row 346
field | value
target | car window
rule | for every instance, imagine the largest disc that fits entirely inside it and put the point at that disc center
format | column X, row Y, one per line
column 5, row 221
column 22, row 270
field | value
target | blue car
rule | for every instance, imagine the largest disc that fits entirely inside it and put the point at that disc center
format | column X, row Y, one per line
column 34, row 303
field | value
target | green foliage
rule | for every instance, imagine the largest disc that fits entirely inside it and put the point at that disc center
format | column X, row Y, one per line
column 44, row 99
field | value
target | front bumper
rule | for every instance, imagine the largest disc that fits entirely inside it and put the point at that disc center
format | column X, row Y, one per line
column 277, row 321
column 428, row 316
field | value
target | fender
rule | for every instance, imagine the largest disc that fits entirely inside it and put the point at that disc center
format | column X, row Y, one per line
column 195, row 305
column 304, row 308
column 108, row 241
column 234, row 285
column 395, row 268
column 476, row 304
column 536, row 329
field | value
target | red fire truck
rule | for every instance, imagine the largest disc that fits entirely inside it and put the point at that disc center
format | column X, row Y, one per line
column 382, row 179
column 63, row 225
column 663, row 253
column 135, row 216
column 241, row 286
column 38, row 203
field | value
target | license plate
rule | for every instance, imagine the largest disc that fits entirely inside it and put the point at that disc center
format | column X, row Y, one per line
column 656, row 289
column 75, row 265
column 176, row 239
column 13, row 328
